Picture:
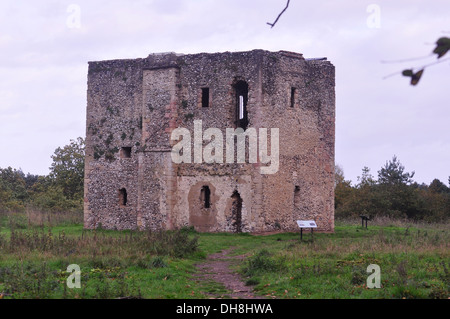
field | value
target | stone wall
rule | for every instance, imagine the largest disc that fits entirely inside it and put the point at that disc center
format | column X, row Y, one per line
column 136, row 104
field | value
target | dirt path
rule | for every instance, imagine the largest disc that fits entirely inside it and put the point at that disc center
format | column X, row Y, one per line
column 217, row 268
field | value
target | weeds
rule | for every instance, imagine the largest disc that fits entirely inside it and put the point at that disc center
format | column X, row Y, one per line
column 34, row 255
column 28, row 280
column 164, row 243
column 262, row 262
column 359, row 276
column 36, row 218
column 335, row 265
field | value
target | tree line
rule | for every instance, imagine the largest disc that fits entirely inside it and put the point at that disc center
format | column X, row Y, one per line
column 60, row 190
column 393, row 193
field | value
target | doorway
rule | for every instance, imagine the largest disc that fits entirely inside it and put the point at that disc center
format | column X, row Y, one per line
column 236, row 212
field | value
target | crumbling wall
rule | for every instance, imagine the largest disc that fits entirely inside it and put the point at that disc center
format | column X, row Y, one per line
column 138, row 103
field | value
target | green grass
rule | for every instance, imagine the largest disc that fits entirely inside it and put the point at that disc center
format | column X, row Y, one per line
column 35, row 252
column 414, row 263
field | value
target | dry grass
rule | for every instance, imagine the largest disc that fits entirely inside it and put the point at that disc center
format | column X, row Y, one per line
column 93, row 244
column 37, row 218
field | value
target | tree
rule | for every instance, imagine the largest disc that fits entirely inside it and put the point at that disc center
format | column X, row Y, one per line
column 437, row 186
column 14, row 189
column 342, row 189
column 338, row 175
column 366, row 178
column 67, row 169
column 394, row 184
column 13, row 183
column 393, row 173
column 394, row 194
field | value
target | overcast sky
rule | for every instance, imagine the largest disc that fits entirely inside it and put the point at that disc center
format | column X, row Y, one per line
column 45, row 46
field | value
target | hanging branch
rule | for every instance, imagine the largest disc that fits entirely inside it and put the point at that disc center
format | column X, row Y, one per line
column 442, row 47
column 273, row 24
column 415, row 76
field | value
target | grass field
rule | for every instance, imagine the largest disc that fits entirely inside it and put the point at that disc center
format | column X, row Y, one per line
column 36, row 249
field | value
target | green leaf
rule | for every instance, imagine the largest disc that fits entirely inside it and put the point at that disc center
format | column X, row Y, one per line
column 416, row 77
column 407, row 73
column 443, row 46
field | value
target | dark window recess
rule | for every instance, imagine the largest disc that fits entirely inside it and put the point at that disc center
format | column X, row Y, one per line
column 297, row 196
column 241, row 89
column 123, row 197
column 125, row 152
column 236, row 212
column 292, row 97
column 205, row 97
column 205, row 196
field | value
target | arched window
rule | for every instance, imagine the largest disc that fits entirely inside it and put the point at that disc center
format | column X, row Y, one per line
column 241, row 91
column 205, row 196
column 122, row 197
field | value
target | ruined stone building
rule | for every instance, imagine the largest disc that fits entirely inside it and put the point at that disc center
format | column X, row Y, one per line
column 134, row 106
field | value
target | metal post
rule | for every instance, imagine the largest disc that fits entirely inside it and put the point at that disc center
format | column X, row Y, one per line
column 301, row 234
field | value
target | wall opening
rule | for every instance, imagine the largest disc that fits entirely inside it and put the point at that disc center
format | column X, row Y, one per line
column 241, row 91
column 205, row 97
column 236, row 213
column 123, row 197
column 293, row 96
column 205, row 196
column 296, row 199
column 125, row 152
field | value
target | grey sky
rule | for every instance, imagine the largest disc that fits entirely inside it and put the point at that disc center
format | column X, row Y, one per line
column 44, row 55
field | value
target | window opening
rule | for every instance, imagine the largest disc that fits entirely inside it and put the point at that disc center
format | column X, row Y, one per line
column 236, row 212
column 206, row 196
column 292, row 97
column 125, row 152
column 123, row 197
column 297, row 196
column 205, row 97
column 241, row 91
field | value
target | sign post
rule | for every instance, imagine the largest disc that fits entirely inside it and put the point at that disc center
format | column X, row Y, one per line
column 306, row 224
column 364, row 218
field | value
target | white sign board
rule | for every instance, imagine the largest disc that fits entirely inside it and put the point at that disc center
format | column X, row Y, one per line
column 306, row 224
